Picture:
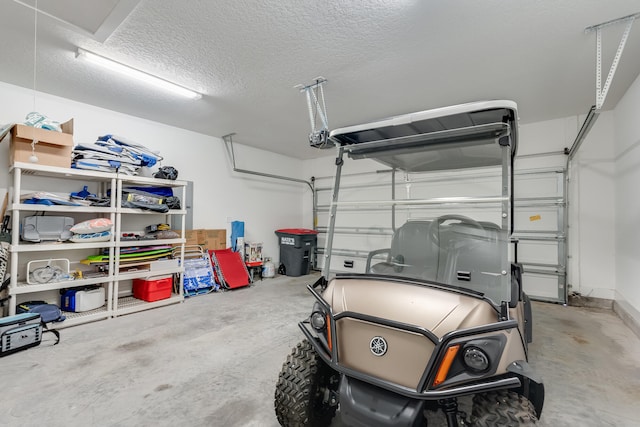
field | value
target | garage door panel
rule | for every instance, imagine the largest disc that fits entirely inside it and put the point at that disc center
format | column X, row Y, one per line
column 536, row 252
column 538, row 185
column 542, row 286
column 538, row 219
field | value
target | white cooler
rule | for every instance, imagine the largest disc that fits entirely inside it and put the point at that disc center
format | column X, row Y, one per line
column 82, row 300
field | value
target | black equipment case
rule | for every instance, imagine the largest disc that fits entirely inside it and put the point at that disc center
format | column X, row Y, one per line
column 20, row 332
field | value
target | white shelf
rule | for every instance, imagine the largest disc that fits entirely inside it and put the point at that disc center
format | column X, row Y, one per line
column 57, row 172
column 128, row 305
column 143, row 180
column 73, row 319
column 25, row 288
column 147, row 273
column 156, row 242
column 57, row 246
column 148, row 212
column 61, row 208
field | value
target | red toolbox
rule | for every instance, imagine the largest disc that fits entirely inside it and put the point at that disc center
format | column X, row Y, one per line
column 153, row 288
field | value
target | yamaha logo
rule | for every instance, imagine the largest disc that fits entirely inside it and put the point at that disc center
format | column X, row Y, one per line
column 378, row 346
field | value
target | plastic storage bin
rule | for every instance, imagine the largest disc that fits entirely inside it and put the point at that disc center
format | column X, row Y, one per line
column 296, row 249
column 82, row 300
column 153, row 288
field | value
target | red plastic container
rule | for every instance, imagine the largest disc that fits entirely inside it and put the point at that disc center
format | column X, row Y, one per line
column 153, row 289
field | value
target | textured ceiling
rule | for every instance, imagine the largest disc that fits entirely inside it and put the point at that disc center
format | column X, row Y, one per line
column 381, row 58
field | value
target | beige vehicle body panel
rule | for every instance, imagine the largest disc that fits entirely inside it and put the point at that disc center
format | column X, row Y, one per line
column 409, row 353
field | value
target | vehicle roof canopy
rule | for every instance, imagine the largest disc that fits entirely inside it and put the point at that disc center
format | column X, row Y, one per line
column 457, row 137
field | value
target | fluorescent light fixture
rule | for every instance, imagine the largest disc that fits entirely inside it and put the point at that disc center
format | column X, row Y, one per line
column 136, row 74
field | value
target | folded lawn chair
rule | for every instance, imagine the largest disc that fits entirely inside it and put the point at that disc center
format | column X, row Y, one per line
column 230, row 268
column 198, row 275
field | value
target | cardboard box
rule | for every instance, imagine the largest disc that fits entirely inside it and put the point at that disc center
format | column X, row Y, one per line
column 52, row 148
column 209, row 239
column 214, row 239
column 191, row 237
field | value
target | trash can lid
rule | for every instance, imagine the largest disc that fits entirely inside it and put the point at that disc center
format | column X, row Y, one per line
column 299, row 231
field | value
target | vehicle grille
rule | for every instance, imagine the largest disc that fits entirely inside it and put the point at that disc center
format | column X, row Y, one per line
column 403, row 362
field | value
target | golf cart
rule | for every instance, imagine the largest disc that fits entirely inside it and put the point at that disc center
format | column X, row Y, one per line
column 438, row 312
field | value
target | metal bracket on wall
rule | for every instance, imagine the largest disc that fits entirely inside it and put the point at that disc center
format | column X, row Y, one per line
column 319, row 136
column 228, row 141
column 601, row 92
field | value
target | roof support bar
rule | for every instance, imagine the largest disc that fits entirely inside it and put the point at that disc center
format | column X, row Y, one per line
column 228, row 141
column 601, row 92
column 591, row 118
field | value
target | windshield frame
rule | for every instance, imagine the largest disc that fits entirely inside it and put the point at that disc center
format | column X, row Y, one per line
column 503, row 137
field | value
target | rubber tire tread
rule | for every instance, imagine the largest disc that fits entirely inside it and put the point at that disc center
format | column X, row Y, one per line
column 502, row 408
column 301, row 375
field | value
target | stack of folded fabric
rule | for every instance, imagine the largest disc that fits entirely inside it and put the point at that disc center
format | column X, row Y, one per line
column 92, row 230
column 111, row 153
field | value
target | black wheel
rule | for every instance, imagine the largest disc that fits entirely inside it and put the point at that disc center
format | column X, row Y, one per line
column 303, row 394
column 502, row 408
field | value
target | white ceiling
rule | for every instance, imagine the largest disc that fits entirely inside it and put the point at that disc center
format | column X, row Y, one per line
column 381, row 58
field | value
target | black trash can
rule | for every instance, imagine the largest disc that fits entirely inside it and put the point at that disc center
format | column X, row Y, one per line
column 296, row 249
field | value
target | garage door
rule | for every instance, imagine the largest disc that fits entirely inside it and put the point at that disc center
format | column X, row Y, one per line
column 540, row 228
column 539, row 219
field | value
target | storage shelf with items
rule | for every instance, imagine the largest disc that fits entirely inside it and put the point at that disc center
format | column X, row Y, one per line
column 164, row 260
column 35, row 276
column 98, row 267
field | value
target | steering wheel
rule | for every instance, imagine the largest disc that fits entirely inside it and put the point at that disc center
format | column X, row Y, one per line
column 434, row 234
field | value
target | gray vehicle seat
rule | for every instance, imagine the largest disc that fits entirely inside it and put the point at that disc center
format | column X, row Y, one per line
column 412, row 253
column 456, row 253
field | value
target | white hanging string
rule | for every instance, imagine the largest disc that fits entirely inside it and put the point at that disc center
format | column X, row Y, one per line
column 35, row 51
column 34, row 158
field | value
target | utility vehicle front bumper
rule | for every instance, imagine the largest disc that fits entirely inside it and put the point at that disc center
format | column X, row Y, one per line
column 495, row 383
column 364, row 405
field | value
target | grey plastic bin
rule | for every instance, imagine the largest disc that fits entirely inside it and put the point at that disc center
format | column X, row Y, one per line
column 296, row 249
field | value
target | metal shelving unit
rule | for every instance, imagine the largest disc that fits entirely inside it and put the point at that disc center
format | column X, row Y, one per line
column 115, row 305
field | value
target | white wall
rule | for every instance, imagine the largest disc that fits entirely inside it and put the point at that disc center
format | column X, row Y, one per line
column 627, row 199
column 591, row 246
column 592, row 213
column 220, row 195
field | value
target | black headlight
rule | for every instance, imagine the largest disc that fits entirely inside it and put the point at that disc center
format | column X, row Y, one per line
column 318, row 318
column 318, row 321
column 475, row 359
column 468, row 360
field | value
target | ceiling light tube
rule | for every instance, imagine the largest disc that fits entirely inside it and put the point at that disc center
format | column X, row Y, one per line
column 136, row 74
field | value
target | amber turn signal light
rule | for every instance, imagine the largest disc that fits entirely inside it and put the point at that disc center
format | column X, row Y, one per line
column 445, row 365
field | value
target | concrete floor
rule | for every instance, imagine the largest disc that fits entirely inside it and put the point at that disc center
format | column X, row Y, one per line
column 214, row 361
